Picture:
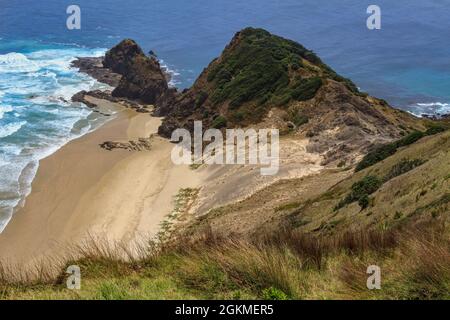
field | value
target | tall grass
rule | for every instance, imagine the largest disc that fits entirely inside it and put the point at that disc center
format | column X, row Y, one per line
column 415, row 264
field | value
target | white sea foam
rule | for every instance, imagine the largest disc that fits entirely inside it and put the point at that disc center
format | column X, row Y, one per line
column 174, row 74
column 16, row 62
column 11, row 128
column 4, row 109
column 38, row 87
column 430, row 108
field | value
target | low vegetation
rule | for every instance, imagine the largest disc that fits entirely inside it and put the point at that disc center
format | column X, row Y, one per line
column 296, row 117
column 404, row 166
column 265, row 70
column 360, row 192
column 381, row 152
column 219, row 122
column 305, row 89
column 415, row 264
column 362, row 189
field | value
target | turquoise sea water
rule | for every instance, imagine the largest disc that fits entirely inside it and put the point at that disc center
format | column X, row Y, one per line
column 407, row 62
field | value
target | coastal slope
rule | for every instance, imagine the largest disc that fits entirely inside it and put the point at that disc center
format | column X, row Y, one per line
column 358, row 181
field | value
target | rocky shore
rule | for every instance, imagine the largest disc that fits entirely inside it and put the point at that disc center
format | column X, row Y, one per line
column 83, row 97
column 95, row 68
column 137, row 81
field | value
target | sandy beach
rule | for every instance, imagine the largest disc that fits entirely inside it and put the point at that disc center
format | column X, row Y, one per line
column 84, row 189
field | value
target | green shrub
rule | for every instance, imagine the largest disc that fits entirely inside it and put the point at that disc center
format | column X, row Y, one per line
column 274, row 294
column 398, row 215
column 439, row 205
column 201, row 98
column 257, row 68
column 281, row 100
column 341, row 164
column 384, row 151
column 348, row 83
column 435, row 129
column 306, row 89
column 376, row 155
column 368, row 185
column 360, row 192
column 403, row 167
column 219, row 122
column 223, row 76
column 295, row 66
column 299, row 120
column 296, row 117
column 364, row 201
column 410, row 139
column 238, row 116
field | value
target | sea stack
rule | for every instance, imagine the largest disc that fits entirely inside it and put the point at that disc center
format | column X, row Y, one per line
column 142, row 77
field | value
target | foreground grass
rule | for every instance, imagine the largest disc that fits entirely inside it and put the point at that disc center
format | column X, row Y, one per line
column 415, row 264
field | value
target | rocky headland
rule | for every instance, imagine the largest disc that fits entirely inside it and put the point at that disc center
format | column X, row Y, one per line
column 260, row 80
column 137, row 80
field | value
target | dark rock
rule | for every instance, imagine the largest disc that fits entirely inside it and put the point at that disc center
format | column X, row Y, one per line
column 142, row 77
column 94, row 68
column 142, row 144
column 81, row 97
column 167, row 127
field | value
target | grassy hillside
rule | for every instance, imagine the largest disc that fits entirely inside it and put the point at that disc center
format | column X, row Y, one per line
column 286, row 265
column 411, row 185
column 265, row 70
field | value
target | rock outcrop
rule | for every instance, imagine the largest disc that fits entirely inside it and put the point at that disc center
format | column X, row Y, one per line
column 142, row 77
column 84, row 97
column 142, row 144
column 94, row 67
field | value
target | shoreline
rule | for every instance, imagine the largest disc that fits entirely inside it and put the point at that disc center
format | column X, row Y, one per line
column 29, row 172
column 83, row 189
column 94, row 125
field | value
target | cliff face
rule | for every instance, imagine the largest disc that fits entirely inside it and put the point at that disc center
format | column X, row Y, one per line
column 142, row 77
column 263, row 79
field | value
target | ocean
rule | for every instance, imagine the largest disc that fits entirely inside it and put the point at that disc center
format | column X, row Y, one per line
column 406, row 62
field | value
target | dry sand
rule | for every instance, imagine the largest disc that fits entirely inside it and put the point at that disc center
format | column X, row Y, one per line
column 83, row 189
